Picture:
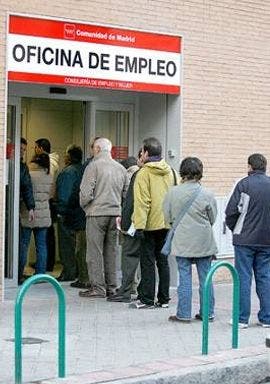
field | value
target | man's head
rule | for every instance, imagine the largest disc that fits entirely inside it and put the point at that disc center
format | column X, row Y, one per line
column 140, row 159
column 74, row 154
column 102, row 145
column 191, row 168
column 129, row 162
column 151, row 148
column 92, row 142
column 42, row 146
column 257, row 162
column 23, row 147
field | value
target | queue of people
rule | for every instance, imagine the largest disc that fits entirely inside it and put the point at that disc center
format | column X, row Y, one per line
column 150, row 204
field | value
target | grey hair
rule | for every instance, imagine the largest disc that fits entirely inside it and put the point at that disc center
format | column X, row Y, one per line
column 104, row 144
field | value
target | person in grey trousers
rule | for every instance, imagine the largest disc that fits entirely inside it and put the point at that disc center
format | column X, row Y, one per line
column 103, row 187
column 131, row 247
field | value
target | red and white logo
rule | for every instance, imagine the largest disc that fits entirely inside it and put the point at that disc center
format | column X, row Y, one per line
column 69, row 31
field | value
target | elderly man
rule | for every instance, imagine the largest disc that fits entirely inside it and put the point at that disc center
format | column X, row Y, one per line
column 103, row 187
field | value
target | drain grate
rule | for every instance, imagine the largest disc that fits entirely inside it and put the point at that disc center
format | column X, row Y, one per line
column 30, row 340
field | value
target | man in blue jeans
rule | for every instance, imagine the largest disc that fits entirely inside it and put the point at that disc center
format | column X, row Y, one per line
column 248, row 217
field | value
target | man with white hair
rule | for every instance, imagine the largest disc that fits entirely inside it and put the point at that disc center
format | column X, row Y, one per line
column 103, row 186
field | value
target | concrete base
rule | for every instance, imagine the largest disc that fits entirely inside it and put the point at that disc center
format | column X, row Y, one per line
column 247, row 366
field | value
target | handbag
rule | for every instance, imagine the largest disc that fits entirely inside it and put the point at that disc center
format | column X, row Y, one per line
column 166, row 249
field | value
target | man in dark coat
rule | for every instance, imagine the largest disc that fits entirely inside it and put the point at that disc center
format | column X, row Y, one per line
column 26, row 193
column 72, row 218
column 131, row 247
column 248, row 217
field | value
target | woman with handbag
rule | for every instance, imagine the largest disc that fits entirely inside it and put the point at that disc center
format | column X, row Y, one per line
column 191, row 210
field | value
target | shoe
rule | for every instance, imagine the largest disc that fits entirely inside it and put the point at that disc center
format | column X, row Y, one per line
column 240, row 325
column 179, row 319
column 92, row 294
column 109, row 293
column 198, row 316
column 139, row 305
column 264, row 325
column 79, row 284
column 63, row 278
column 119, row 299
column 161, row 305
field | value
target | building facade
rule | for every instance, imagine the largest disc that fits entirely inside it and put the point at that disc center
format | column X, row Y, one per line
column 214, row 103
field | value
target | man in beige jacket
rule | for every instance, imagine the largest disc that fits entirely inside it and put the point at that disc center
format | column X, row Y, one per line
column 104, row 185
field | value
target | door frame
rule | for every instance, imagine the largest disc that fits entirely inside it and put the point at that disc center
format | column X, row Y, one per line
column 13, row 282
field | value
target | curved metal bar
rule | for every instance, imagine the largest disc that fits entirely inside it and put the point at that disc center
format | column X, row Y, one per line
column 61, row 324
column 235, row 305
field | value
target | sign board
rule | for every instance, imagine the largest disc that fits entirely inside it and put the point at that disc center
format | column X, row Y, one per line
column 54, row 52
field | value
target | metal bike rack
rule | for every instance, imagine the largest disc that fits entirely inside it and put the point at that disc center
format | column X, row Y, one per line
column 235, row 306
column 61, row 324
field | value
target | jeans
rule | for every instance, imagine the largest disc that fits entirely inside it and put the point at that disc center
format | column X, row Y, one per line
column 40, row 235
column 257, row 259
column 151, row 257
column 184, row 289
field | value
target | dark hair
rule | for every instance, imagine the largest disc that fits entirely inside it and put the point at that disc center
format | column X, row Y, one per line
column 257, row 162
column 152, row 146
column 129, row 162
column 139, row 153
column 43, row 160
column 75, row 154
column 95, row 139
column 44, row 144
column 23, row 141
column 191, row 168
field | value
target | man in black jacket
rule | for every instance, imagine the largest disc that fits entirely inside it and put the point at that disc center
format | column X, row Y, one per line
column 26, row 194
column 72, row 220
column 131, row 247
column 248, row 217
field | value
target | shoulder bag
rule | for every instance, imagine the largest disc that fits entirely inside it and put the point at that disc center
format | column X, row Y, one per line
column 166, row 249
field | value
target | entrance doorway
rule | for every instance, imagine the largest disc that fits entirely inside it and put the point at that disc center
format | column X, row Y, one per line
column 63, row 122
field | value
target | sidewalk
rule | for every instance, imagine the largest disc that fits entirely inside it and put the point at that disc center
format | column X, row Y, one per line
column 103, row 335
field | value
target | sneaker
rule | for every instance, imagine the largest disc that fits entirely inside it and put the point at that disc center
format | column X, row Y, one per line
column 198, row 316
column 161, row 305
column 79, row 284
column 264, row 325
column 179, row 319
column 117, row 298
column 240, row 325
column 139, row 305
column 92, row 294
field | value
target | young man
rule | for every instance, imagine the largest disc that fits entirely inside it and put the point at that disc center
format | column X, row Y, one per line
column 248, row 217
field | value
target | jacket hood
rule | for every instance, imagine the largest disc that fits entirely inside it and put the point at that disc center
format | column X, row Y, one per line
column 158, row 167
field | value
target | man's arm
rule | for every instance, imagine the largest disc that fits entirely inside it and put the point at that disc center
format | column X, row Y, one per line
column 26, row 188
column 142, row 200
column 88, row 184
column 64, row 187
column 232, row 211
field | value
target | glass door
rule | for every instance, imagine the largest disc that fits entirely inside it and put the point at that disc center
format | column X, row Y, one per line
column 12, row 170
column 115, row 122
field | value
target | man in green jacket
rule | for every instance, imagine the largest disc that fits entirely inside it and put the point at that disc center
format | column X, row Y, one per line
column 151, row 184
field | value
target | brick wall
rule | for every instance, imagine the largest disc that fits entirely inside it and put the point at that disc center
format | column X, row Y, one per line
column 226, row 72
